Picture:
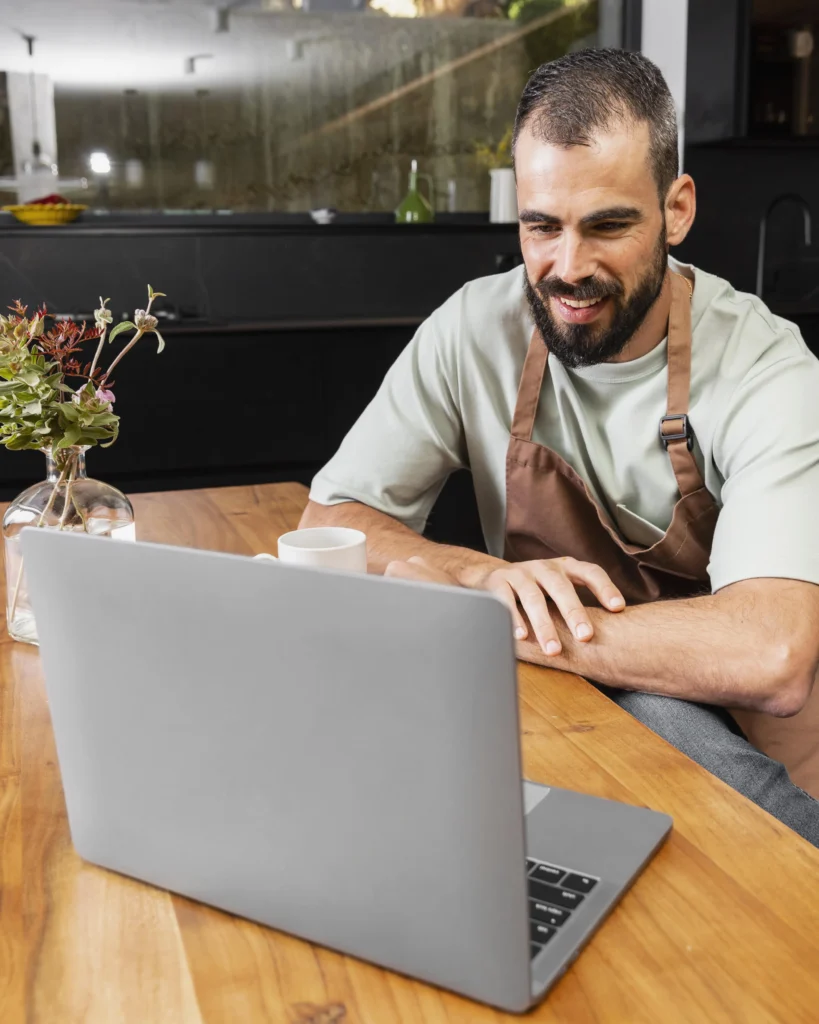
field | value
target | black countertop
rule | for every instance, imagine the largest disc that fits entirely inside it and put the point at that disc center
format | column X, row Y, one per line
column 254, row 224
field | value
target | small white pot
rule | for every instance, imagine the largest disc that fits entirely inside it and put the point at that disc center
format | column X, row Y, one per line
column 503, row 196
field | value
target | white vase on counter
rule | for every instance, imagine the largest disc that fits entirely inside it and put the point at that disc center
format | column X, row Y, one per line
column 503, row 197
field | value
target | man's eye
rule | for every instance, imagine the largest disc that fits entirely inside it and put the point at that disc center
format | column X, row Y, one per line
column 612, row 225
column 544, row 229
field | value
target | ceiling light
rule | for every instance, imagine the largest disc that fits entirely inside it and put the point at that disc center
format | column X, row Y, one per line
column 99, row 163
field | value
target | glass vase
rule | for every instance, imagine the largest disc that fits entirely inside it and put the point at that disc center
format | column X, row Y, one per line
column 66, row 500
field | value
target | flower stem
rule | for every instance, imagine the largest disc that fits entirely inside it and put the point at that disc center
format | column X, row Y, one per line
column 124, row 352
column 40, row 521
column 67, row 501
column 98, row 353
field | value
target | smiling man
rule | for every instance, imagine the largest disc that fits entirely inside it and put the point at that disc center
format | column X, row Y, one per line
column 643, row 439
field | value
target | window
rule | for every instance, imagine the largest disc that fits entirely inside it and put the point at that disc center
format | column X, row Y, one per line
column 269, row 105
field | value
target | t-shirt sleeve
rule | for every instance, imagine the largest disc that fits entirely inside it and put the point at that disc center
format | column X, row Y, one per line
column 767, row 449
column 399, row 453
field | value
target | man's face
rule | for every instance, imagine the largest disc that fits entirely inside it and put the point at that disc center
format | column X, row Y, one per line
column 593, row 239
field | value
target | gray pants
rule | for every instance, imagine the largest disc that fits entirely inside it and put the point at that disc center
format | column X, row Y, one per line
column 709, row 736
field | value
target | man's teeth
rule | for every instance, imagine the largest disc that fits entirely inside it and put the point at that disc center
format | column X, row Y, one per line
column 579, row 303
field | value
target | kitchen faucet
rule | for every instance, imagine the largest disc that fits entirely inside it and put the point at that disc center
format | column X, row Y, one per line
column 763, row 233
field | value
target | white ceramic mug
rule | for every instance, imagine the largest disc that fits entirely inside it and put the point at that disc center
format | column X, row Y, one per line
column 324, row 547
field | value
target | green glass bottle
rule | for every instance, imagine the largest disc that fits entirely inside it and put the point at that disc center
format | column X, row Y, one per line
column 415, row 208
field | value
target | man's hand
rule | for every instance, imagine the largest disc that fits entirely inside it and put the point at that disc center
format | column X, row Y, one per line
column 525, row 587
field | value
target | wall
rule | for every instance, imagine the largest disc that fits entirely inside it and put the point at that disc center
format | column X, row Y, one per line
column 665, row 35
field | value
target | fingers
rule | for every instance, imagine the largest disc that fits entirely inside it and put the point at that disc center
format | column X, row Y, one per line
column 561, row 590
column 532, row 584
column 509, row 598
column 432, row 573
column 526, row 587
column 400, row 570
column 597, row 580
column 533, row 602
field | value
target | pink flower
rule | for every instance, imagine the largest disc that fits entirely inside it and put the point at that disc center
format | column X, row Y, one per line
column 102, row 395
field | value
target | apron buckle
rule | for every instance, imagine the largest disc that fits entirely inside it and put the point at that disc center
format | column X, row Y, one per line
column 682, row 433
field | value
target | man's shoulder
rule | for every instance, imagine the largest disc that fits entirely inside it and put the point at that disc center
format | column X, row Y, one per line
column 484, row 312
column 737, row 333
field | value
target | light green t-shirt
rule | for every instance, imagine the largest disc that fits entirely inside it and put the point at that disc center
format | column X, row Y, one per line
column 448, row 401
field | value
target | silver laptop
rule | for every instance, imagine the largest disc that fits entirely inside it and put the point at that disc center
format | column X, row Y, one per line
column 334, row 755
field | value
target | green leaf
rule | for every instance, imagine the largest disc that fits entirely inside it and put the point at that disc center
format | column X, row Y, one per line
column 93, row 434
column 11, row 387
column 103, row 419
column 65, row 388
column 69, row 438
column 124, row 325
column 161, row 342
column 33, row 409
column 68, row 412
column 153, row 295
column 17, row 442
column 30, row 376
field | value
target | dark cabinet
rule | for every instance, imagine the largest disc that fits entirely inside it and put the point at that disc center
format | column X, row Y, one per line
column 276, row 339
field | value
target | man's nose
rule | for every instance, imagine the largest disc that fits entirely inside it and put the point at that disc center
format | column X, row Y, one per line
column 574, row 261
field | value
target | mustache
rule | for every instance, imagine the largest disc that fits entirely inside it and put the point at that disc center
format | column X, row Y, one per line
column 590, row 288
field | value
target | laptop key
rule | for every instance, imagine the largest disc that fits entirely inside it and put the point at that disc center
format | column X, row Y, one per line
column 534, row 950
column 540, row 932
column 579, row 883
column 548, row 873
column 554, row 895
column 529, row 865
column 548, row 915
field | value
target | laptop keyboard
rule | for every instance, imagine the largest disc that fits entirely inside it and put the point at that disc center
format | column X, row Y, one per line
column 554, row 893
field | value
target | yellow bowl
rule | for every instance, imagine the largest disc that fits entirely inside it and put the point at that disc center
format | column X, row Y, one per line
column 42, row 214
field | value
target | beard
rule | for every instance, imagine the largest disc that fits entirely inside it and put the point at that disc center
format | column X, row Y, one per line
column 588, row 344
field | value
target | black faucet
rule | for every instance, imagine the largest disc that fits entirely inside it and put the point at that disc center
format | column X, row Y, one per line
column 763, row 232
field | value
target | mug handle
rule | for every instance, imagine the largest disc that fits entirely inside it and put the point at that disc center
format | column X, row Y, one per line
column 263, row 556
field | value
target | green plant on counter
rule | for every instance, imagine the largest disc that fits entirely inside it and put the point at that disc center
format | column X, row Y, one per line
column 492, row 157
column 524, row 11
column 39, row 409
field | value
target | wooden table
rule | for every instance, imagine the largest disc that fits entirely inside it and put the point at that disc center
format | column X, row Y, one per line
column 723, row 925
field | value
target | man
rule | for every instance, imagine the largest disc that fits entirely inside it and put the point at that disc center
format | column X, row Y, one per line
column 644, row 440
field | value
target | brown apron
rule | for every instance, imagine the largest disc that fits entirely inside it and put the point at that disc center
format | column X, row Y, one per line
column 550, row 513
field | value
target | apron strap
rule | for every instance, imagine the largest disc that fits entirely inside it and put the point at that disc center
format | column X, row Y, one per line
column 675, row 429
column 531, row 383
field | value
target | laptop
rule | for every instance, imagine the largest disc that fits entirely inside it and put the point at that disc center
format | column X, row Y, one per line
column 333, row 755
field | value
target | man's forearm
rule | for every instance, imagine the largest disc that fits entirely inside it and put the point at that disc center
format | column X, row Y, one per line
column 707, row 649
column 390, row 541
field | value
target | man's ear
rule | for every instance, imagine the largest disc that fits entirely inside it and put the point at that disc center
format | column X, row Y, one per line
column 680, row 209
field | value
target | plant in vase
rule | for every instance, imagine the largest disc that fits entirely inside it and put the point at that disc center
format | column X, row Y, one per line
column 52, row 401
column 503, row 200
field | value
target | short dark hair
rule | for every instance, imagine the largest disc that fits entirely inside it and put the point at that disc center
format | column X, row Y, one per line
column 567, row 101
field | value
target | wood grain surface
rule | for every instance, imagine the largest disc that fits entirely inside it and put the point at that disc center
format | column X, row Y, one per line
column 722, row 927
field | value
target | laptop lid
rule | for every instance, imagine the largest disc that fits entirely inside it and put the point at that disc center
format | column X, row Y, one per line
column 331, row 754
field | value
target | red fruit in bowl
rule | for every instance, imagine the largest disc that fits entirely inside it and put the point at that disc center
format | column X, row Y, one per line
column 52, row 200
